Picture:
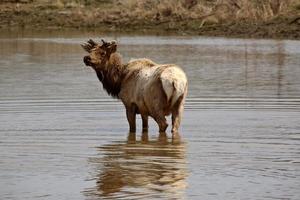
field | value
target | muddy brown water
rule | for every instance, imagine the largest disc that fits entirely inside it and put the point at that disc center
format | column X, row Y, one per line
column 62, row 137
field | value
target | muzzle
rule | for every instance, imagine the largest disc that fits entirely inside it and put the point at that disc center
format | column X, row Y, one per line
column 87, row 60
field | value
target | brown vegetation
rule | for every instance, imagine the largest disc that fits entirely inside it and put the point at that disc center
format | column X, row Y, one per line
column 144, row 87
column 257, row 18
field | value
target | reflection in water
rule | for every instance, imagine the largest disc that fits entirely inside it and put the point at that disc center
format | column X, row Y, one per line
column 246, row 66
column 140, row 169
column 257, row 69
column 280, row 64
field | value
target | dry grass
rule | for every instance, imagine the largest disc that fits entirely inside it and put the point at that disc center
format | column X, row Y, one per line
column 208, row 11
column 265, row 18
column 217, row 11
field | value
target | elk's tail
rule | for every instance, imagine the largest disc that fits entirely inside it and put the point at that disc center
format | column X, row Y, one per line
column 174, row 83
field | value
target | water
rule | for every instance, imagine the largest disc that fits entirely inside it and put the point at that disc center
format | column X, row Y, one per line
column 62, row 137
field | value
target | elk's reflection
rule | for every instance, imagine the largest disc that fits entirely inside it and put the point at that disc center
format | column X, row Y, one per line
column 140, row 168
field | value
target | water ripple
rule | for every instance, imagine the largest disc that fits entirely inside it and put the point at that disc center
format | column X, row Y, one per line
column 97, row 105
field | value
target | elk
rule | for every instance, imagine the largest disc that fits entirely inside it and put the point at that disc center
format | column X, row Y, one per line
column 144, row 87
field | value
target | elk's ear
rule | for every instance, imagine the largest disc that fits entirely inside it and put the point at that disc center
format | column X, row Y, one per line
column 89, row 45
column 112, row 47
column 104, row 43
column 109, row 47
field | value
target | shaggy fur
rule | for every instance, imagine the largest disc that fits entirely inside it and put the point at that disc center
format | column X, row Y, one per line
column 144, row 87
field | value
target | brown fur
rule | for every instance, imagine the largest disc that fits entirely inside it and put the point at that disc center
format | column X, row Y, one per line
column 144, row 87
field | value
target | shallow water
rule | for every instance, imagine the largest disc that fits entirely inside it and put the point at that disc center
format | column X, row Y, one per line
column 62, row 137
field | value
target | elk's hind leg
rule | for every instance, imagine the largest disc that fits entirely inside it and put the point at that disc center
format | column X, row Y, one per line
column 177, row 114
column 161, row 121
column 156, row 103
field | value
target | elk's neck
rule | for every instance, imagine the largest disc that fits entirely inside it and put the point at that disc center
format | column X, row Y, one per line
column 112, row 75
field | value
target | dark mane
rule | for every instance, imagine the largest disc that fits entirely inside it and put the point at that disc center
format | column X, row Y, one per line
column 112, row 76
column 111, row 86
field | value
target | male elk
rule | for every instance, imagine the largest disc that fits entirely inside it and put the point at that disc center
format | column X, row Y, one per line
column 143, row 86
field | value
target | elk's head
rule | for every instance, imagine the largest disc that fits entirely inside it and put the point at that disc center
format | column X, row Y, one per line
column 99, row 54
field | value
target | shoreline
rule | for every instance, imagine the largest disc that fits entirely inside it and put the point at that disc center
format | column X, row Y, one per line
column 215, row 31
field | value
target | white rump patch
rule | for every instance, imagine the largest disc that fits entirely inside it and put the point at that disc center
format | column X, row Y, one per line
column 174, row 83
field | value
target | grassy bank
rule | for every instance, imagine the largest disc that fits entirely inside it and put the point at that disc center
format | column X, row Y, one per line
column 234, row 18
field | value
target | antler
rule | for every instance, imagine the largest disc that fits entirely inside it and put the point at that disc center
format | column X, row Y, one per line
column 89, row 45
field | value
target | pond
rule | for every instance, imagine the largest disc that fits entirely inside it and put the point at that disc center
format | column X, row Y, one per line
column 63, row 137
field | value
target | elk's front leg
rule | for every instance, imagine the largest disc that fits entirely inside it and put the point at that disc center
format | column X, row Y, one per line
column 145, row 122
column 130, row 113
